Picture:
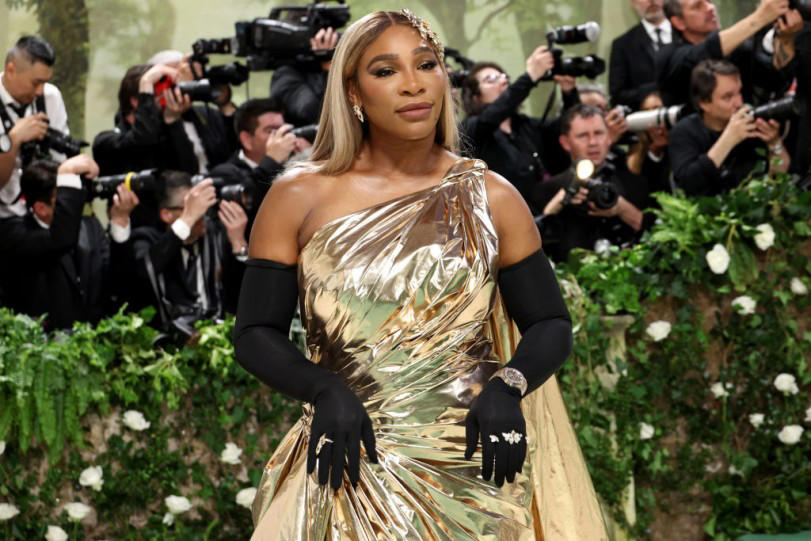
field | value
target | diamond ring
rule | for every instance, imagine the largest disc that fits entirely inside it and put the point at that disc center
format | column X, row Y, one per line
column 512, row 437
column 321, row 441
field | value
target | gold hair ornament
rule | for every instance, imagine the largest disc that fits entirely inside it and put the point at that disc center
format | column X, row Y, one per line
column 426, row 32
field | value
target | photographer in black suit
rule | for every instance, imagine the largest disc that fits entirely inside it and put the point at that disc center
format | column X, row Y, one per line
column 571, row 218
column 55, row 261
column 698, row 37
column 193, row 264
column 632, row 71
column 714, row 150
column 265, row 145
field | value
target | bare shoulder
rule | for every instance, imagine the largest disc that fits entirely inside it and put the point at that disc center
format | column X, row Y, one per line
column 517, row 232
column 287, row 204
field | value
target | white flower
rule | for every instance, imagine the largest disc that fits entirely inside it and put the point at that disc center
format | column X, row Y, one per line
column 756, row 419
column 92, row 477
column 765, row 236
column 718, row 259
column 177, row 504
column 719, row 390
column 734, row 471
column 55, row 533
column 135, row 420
column 168, row 519
column 658, row 330
column 646, row 431
column 77, row 510
column 798, row 287
column 808, row 415
column 786, row 384
column 8, row 511
column 790, row 434
column 2, row 447
column 602, row 247
column 744, row 305
column 246, row 496
column 230, row 455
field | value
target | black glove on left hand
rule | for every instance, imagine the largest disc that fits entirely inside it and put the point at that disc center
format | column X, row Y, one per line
column 497, row 412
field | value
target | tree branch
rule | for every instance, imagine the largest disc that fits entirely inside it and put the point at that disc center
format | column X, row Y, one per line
column 489, row 18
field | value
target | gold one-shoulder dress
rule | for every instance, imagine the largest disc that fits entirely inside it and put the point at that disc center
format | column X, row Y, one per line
column 401, row 300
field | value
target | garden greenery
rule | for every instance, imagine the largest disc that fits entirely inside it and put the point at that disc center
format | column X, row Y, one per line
column 705, row 410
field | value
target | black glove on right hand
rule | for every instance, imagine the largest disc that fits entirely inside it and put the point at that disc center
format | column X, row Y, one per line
column 342, row 419
column 496, row 415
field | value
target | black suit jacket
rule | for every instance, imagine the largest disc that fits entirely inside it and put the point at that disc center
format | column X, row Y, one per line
column 632, row 71
column 67, row 271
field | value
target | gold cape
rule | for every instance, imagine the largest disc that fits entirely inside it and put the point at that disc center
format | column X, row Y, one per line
column 401, row 300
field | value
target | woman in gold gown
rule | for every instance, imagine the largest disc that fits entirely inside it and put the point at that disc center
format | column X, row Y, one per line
column 396, row 250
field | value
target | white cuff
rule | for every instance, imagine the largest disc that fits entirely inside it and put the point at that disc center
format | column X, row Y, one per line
column 119, row 234
column 655, row 158
column 68, row 180
column 768, row 41
column 181, row 229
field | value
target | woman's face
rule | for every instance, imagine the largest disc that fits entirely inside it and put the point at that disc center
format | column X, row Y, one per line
column 400, row 85
column 492, row 84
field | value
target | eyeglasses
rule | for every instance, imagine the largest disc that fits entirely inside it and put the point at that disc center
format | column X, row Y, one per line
column 494, row 78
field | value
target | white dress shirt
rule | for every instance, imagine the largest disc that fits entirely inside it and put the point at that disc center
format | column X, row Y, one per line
column 666, row 31
column 57, row 119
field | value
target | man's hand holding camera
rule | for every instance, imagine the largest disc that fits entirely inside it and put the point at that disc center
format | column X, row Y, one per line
column 539, row 63
column 235, row 221
column 124, row 201
column 281, row 143
column 82, row 165
column 198, row 200
column 623, row 209
column 324, row 40
column 29, row 128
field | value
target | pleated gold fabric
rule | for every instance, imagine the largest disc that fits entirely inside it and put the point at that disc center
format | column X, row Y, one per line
column 400, row 299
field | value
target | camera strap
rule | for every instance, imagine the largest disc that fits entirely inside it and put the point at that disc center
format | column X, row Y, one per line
column 158, row 287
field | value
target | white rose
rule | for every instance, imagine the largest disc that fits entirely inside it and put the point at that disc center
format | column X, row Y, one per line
column 8, row 511
column 734, row 471
column 765, row 236
column 798, row 287
column 2, row 447
column 658, row 330
column 92, row 477
column 246, row 496
column 718, row 259
column 168, row 519
column 790, row 434
column 646, row 431
column 230, row 455
column 756, row 419
column 55, row 533
column 808, row 415
column 744, row 305
column 602, row 247
column 77, row 511
column 135, row 420
column 786, row 384
column 719, row 390
column 177, row 504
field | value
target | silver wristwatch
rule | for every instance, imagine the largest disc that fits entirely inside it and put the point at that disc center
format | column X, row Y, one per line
column 513, row 378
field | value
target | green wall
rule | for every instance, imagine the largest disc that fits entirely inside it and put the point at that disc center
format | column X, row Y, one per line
column 127, row 32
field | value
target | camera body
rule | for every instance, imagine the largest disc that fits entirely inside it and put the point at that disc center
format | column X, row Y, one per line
column 601, row 192
column 54, row 140
column 307, row 132
column 281, row 38
column 238, row 193
column 198, row 90
column 575, row 66
column 803, row 6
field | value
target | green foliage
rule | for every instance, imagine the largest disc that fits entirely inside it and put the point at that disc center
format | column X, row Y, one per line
column 705, row 453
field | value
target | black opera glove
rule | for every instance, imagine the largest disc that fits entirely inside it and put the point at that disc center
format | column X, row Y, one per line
column 496, row 415
column 339, row 423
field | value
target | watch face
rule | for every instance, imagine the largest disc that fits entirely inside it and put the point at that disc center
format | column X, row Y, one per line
column 5, row 142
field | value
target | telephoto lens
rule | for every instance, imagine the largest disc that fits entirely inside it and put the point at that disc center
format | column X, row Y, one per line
column 201, row 90
column 238, row 193
column 106, row 187
column 781, row 109
column 666, row 117
column 306, row 132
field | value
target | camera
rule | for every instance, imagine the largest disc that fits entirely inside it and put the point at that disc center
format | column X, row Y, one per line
column 457, row 76
column 199, row 90
column 666, row 117
column 575, row 66
column 282, row 38
column 105, row 187
column 307, row 132
column 238, row 193
column 803, row 6
column 780, row 109
column 602, row 193
column 54, row 140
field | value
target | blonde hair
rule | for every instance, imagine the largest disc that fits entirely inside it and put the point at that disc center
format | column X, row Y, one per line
column 340, row 135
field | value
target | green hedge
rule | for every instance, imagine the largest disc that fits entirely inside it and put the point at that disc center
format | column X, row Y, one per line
column 63, row 396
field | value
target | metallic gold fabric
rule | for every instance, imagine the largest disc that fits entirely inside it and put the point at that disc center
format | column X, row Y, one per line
column 400, row 299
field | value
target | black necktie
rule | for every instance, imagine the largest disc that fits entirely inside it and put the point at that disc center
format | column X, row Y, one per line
column 19, row 109
column 658, row 44
column 190, row 270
